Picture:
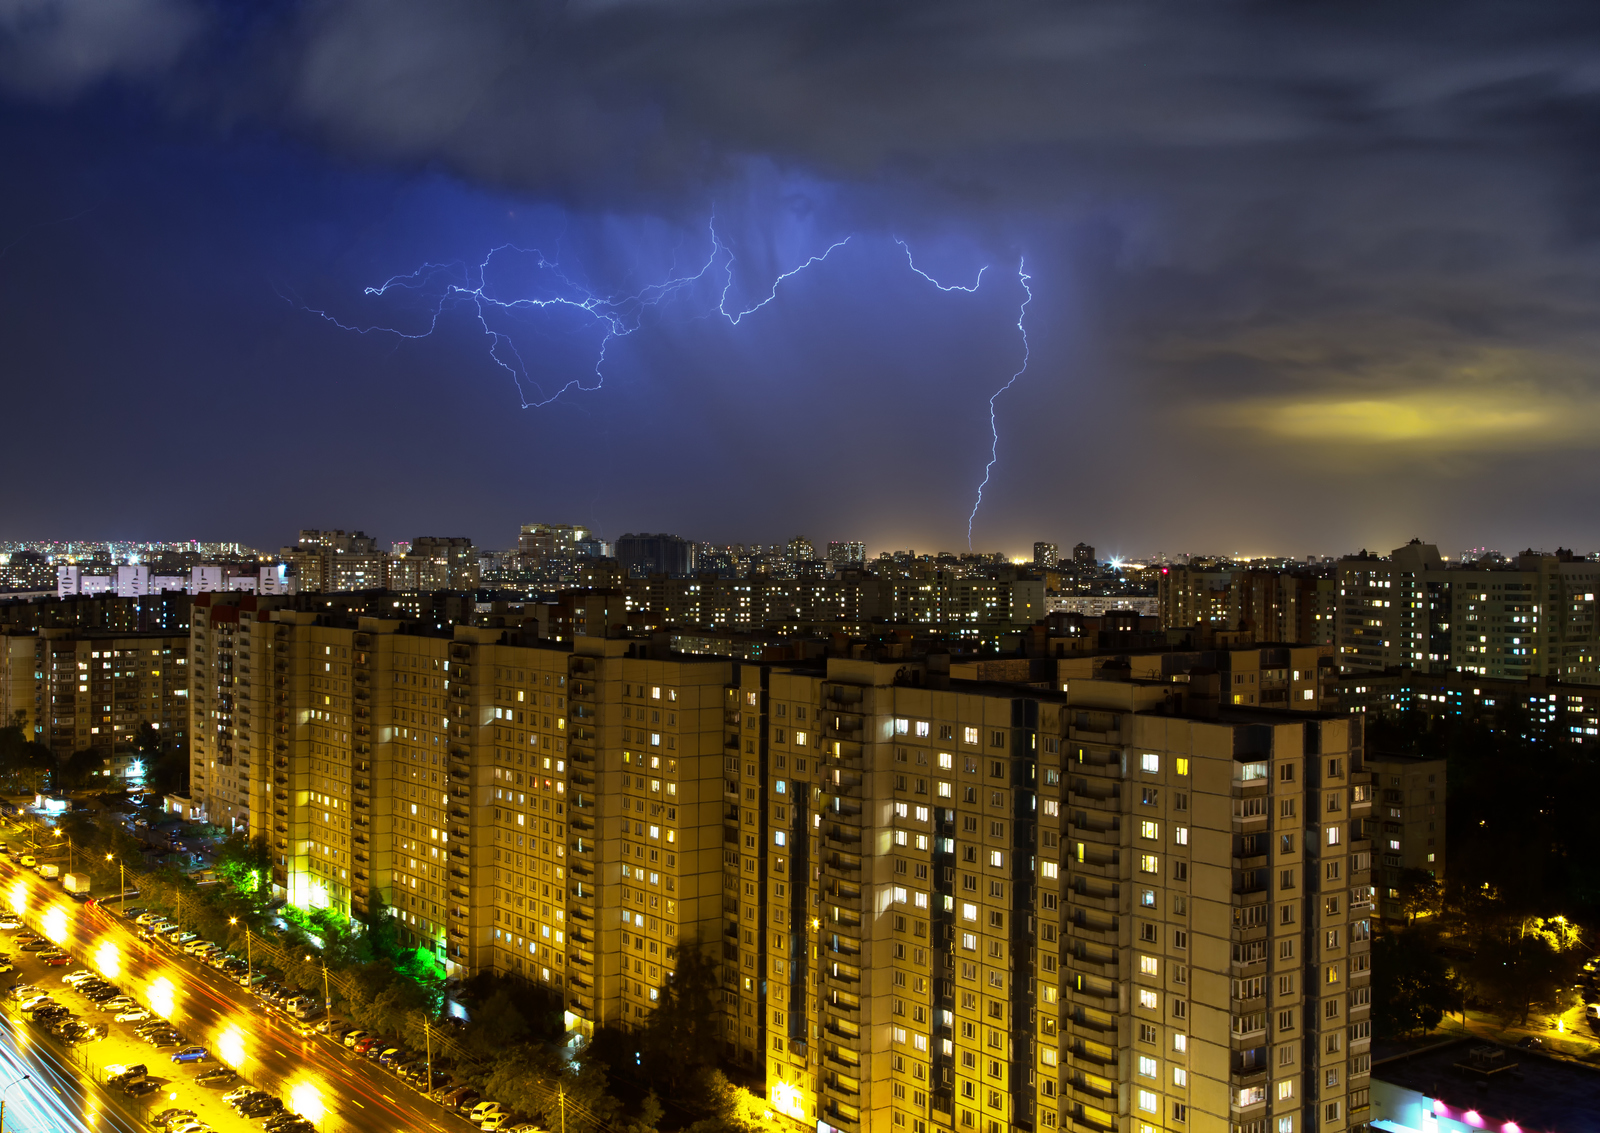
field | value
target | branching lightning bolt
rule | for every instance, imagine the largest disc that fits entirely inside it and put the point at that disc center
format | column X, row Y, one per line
column 621, row 314
column 994, row 432
column 912, row 264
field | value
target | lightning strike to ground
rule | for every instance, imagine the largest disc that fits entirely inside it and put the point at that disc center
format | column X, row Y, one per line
column 994, row 432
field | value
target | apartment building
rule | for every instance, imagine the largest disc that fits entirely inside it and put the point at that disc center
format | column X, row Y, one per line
column 1531, row 618
column 1080, row 910
column 936, row 903
column 1408, row 823
column 76, row 689
column 1273, row 605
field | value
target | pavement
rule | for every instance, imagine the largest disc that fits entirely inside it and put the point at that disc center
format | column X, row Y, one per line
column 1573, row 1038
column 313, row 1075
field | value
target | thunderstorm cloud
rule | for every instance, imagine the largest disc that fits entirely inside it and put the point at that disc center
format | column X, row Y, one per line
column 1308, row 275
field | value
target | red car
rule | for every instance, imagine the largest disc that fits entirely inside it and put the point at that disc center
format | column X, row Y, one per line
column 365, row 1044
column 59, row 960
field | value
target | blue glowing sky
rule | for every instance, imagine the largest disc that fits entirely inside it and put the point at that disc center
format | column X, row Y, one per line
column 1301, row 283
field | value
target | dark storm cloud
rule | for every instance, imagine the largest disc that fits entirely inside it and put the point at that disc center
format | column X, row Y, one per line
column 1352, row 231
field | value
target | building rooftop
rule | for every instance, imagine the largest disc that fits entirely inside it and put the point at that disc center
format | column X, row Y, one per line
column 1531, row 1092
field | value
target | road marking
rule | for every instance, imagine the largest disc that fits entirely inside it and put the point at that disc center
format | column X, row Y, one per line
column 358, row 1103
column 387, row 1098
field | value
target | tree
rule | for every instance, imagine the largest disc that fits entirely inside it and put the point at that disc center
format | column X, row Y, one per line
column 245, row 864
column 1421, row 895
column 1413, row 985
column 81, row 768
column 682, row 1032
column 1521, row 967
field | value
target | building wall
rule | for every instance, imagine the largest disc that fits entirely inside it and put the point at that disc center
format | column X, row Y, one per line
column 82, row 688
column 1409, row 823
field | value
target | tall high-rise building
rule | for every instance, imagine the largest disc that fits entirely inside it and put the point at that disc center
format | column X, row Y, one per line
column 1408, row 795
column 1083, row 554
column 455, row 556
column 1046, row 556
column 933, row 903
column 656, row 554
column 847, row 554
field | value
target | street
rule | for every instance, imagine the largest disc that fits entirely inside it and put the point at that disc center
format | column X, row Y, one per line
column 312, row 1075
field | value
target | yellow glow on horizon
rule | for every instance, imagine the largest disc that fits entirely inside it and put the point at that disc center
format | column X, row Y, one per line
column 1432, row 417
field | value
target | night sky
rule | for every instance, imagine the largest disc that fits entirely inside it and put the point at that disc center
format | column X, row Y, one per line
column 1305, row 277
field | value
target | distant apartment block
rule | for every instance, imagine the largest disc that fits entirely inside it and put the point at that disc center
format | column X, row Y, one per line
column 74, row 689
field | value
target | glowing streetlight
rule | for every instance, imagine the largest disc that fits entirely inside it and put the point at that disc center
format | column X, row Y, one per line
column 55, row 924
column 162, row 997
column 230, row 1047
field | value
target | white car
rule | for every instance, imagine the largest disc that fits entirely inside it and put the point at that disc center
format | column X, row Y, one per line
column 483, row 1110
column 73, row 979
column 119, row 1003
column 131, row 1015
column 495, row 1122
column 35, row 1001
column 198, row 947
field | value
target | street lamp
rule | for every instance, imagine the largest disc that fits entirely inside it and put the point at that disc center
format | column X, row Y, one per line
column 249, row 966
column 122, row 879
column 327, row 999
column 24, row 1078
column 69, row 849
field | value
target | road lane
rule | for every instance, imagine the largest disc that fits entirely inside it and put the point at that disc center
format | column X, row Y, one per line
column 311, row 1074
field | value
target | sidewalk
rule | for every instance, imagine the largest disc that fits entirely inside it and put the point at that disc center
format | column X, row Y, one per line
column 1575, row 1040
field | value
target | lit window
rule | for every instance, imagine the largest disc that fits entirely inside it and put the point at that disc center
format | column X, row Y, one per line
column 1148, row 829
column 1148, row 863
column 1147, row 1101
column 1148, row 998
column 1149, row 761
column 1047, row 869
column 1180, row 835
column 1148, row 1066
column 1180, row 766
column 901, row 726
column 1180, row 1076
column 1286, row 1089
column 969, row 735
column 1149, row 965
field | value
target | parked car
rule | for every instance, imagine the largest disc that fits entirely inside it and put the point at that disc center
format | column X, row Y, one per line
column 233, row 1097
column 133, row 1014
column 56, row 959
column 217, row 1076
column 496, row 1121
column 171, row 1117
column 119, row 1075
column 35, row 945
column 351, row 1038
column 141, row 1088
column 191, row 1054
